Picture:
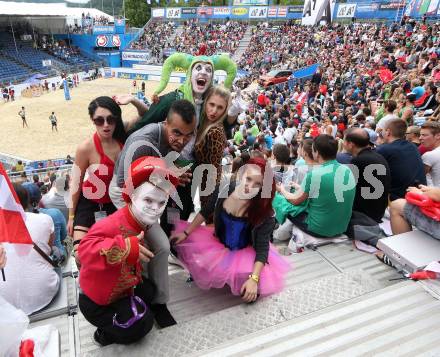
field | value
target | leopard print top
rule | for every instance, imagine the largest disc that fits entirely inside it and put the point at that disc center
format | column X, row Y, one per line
column 210, row 151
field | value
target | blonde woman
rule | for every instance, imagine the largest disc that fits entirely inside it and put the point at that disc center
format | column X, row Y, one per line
column 211, row 137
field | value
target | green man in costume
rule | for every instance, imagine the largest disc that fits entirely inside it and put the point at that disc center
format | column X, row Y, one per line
column 200, row 74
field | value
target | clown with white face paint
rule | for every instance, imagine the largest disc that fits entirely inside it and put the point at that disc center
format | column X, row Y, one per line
column 148, row 203
column 199, row 78
column 117, row 250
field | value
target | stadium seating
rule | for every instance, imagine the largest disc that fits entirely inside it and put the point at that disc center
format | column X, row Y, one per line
column 25, row 54
column 18, row 63
column 11, row 71
column 71, row 56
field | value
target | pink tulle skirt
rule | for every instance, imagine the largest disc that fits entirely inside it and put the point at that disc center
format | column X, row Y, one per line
column 212, row 265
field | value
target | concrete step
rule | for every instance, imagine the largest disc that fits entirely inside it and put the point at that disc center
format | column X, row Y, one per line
column 213, row 329
column 400, row 320
column 244, row 43
column 319, row 279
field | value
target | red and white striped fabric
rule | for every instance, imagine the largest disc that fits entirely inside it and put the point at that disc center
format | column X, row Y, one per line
column 282, row 11
column 272, row 12
column 12, row 216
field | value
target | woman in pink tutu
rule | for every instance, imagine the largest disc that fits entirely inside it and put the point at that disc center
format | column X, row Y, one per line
column 237, row 250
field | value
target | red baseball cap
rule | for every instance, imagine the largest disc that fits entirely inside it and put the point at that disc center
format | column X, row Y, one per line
column 141, row 171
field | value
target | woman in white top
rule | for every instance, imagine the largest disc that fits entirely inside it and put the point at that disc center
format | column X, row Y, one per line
column 31, row 282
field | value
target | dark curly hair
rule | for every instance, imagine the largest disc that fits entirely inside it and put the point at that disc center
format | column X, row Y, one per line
column 108, row 103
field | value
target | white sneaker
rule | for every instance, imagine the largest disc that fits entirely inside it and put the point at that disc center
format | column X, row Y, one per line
column 296, row 243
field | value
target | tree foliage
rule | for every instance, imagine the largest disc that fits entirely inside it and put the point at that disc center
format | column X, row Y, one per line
column 137, row 12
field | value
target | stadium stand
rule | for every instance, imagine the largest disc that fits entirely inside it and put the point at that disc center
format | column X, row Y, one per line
column 21, row 62
column 11, row 71
column 26, row 55
column 155, row 37
column 337, row 299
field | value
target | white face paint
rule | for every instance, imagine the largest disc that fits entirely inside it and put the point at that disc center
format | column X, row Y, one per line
column 148, row 203
column 201, row 77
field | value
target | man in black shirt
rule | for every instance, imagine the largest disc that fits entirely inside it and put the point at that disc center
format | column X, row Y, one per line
column 374, row 174
column 403, row 157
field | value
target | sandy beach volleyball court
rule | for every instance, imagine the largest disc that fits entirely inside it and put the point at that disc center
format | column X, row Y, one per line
column 38, row 142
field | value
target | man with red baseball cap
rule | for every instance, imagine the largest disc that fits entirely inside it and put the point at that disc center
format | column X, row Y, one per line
column 115, row 295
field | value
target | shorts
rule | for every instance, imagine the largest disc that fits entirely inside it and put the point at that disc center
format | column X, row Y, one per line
column 420, row 221
column 85, row 211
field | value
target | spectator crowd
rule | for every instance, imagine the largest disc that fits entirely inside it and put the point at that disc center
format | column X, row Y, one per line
column 372, row 102
column 211, row 38
column 155, row 38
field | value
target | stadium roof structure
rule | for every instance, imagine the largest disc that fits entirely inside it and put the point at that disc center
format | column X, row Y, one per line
column 10, row 8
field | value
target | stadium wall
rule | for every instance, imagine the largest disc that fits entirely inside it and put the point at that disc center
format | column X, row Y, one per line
column 104, row 46
column 153, row 73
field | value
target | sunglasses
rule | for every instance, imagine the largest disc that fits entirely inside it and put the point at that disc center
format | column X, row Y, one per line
column 99, row 121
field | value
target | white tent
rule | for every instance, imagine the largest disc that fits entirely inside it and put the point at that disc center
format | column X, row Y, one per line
column 10, row 8
column 50, row 18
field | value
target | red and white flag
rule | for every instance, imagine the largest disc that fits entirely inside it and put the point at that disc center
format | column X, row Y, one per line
column 12, row 216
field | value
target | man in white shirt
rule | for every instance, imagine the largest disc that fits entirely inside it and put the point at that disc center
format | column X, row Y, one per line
column 430, row 138
column 390, row 106
column 31, row 282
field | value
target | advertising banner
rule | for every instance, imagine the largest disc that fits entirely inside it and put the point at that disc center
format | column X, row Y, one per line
column 282, row 11
column 297, row 8
column 346, row 10
column 119, row 25
column 66, row 90
column 101, row 41
column 135, row 56
column 174, row 13
column 189, row 10
column 361, row 8
column 205, row 11
column 240, row 12
column 314, row 11
column 391, row 5
column 272, row 12
column 116, row 41
column 250, row 2
column 257, row 12
column 103, row 30
column 222, row 11
column 155, row 12
column 432, row 7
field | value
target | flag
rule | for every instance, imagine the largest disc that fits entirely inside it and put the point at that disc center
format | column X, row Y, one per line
column 385, row 75
column 149, row 2
column 12, row 216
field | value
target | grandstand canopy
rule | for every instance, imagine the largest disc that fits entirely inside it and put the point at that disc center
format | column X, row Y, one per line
column 9, row 8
